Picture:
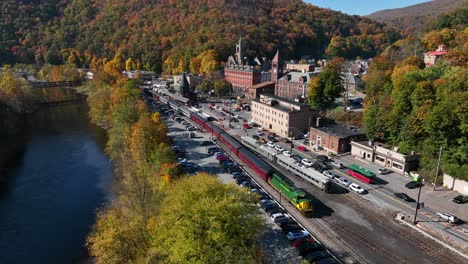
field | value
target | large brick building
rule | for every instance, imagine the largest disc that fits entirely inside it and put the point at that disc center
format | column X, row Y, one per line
column 242, row 73
column 335, row 138
column 282, row 116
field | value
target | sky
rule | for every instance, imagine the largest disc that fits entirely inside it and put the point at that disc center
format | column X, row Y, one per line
column 362, row 7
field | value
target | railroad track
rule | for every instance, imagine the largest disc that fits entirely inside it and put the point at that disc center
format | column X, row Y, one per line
column 347, row 253
column 428, row 246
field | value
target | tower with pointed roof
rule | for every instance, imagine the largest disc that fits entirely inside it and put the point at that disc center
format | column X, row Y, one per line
column 276, row 68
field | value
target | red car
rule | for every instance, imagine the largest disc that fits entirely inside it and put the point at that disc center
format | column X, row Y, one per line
column 301, row 148
column 246, row 126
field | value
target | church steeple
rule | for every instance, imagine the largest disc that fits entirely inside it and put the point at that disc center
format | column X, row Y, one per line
column 240, row 52
column 276, row 67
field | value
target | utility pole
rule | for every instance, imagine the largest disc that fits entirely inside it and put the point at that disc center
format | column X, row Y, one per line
column 437, row 169
column 417, row 205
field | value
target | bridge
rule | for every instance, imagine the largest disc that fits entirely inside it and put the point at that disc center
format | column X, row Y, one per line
column 63, row 84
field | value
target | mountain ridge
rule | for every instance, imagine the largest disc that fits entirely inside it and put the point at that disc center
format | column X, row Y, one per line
column 415, row 18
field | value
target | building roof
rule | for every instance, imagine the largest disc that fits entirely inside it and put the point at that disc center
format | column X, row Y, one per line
column 261, row 85
column 341, row 131
column 281, row 107
column 287, row 100
column 295, row 76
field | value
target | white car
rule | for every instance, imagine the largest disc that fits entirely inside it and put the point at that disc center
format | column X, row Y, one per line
column 307, row 162
column 270, row 144
column 355, row 187
column 343, row 181
column 383, row 171
column 449, row 217
column 279, row 148
column 287, row 153
column 337, row 164
column 259, row 133
column 329, row 174
column 274, row 216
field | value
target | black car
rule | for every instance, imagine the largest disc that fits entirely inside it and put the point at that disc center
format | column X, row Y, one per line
column 234, row 169
column 242, row 179
column 413, row 184
column 322, row 158
column 404, row 197
column 255, row 137
column 460, row 199
column 290, row 228
column 308, row 247
column 206, row 143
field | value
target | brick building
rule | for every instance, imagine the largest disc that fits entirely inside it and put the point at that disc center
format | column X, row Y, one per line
column 282, row 116
column 242, row 73
column 335, row 138
column 294, row 85
column 255, row 91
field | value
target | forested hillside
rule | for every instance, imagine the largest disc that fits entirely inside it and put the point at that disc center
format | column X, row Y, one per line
column 415, row 18
column 151, row 32
column 420, row 108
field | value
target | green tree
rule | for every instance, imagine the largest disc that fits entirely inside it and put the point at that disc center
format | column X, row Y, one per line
column 202, row 220
column 222, row 87
column 326, row 87
column 206, row 86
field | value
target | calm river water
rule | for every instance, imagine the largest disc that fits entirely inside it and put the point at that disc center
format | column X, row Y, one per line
column 53, row 176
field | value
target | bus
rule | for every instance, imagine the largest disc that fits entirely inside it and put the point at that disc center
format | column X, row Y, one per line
column 361, row 173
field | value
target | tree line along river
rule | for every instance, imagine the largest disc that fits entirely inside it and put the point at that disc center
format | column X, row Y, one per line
column 53, row 176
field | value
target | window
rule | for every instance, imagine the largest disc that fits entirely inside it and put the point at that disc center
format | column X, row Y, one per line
column 398, row 166
column 380, row 159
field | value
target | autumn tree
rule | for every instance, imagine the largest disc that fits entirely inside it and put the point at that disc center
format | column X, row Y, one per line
column 15, row 93
column 202, row 220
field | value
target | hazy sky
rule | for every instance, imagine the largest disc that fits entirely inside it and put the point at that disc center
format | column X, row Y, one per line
column 363, row 7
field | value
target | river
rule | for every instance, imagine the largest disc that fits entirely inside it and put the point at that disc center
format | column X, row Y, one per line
column 53, row 176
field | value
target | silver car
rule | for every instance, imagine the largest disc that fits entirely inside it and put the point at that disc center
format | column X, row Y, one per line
column 329, row 174
column 343, row 181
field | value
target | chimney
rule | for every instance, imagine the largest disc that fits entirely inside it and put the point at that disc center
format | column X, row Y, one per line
column 317, row 123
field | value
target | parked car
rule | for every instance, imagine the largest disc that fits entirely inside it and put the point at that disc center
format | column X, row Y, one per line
column 413, row 184
column 306, row 162
column 317, row 255
column 343, row 181
column 329, row 174
column 404, row 197
column 279, row 148
column 322, row 158
column 449, row 217
column 383, row 171
column 217, row 154
column 262, row 140
column 355, row 187
column 301, row 148
column 337, row 164
column 460, row 199
column 270, row 144
column 297, row 235
column 234, row 175
column 255, row 137
column 309, row 246
column 287, row 153
column 291, row 227
column 259, row 133
column 246, row 126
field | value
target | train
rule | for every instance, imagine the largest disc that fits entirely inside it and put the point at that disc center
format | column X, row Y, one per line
column 296, row 196
column 361, row 173
column 309, row 174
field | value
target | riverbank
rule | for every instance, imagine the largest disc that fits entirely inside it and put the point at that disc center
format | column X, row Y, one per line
column 55, row 177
